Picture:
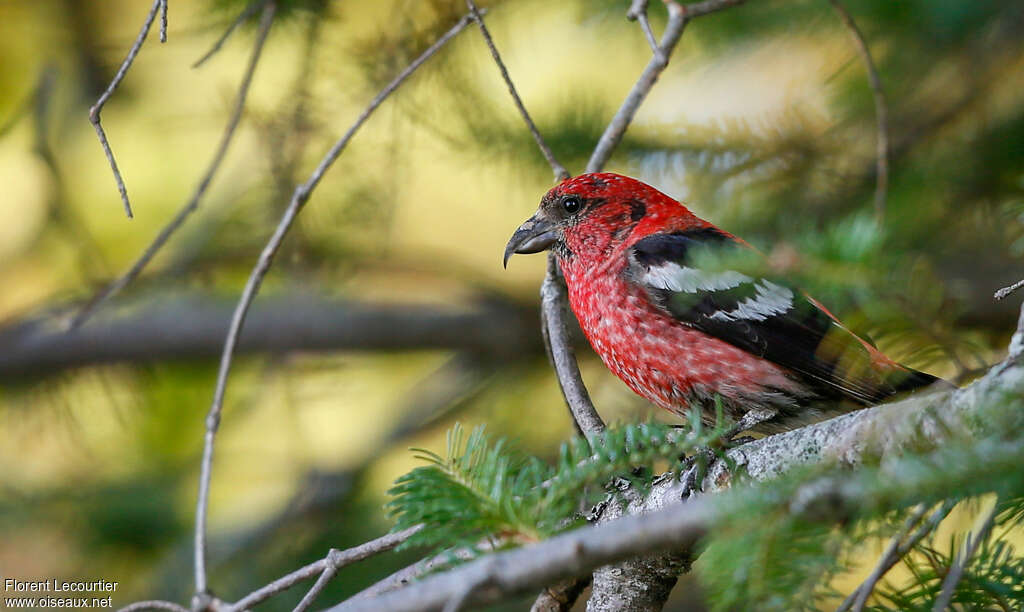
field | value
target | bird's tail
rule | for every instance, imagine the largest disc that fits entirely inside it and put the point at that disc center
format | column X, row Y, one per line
column 910, row 380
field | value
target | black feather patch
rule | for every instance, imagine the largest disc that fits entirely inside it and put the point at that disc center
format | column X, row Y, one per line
column 676, row 247
column 637, row 210
column 762, row 317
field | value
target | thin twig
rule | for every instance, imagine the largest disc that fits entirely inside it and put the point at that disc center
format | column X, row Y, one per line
column 956, row 571
column 335, row 559
column 214, row 416
column 154, row 604
column 901, row 544
column 699, row 9
column 638, row 12
column 554, row 322
column 193, row 203
column 94, row 112
column 584, row 415
column 881, row 110
column 560, row 172
column 246, row 13
column 423, row 567
column 318, row 587
column 617, row 127
column 553, row 298
column 163, row 21
column 562, row 596
column 298, row 200
column 1005, row 291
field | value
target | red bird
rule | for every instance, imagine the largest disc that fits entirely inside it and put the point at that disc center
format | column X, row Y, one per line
column 683, row 336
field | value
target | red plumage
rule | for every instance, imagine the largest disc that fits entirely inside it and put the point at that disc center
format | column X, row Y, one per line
column 682, row 336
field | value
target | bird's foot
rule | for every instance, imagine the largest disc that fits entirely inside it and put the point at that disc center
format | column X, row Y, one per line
column 750, row 420
column 695, row 467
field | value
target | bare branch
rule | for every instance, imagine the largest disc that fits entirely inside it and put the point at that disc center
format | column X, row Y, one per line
column 461, row 597
column 560, row 597
column 94, row 112
column 269, row 7
column 554, row 324
column 192, row 326
column 638, row 11
column 901, row 544
column 163, row 21
column 154, row 604
column 334, row 561
column 956, row 572
column 699, row 9
column 678, row 18
column 881, row 110
column 564, row 556
column 1005, row 291
column 298, row 200
column 556, row 337
column 410, row 573
column 317, row 588
column 560, row 172
column 620, row 122
column 249, row 10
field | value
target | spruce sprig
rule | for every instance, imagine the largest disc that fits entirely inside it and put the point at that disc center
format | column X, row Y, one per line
column 487, row 490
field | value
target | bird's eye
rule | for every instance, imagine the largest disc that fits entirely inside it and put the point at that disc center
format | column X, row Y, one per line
column 571, row 204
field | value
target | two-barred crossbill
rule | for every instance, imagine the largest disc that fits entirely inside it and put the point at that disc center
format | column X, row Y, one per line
column 681, row 333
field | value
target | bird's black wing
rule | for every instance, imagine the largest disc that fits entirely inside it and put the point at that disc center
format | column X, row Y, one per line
column 679, row 273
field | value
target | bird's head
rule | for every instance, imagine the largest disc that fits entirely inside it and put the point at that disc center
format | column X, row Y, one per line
column 591, row 215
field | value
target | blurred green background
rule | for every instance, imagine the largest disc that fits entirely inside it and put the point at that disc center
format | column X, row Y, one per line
column 387, row 315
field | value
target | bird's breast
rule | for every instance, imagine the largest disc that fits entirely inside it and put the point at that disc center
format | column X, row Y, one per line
column 660, row 358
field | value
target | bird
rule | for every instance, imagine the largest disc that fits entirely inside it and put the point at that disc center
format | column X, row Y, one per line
column 651, row 287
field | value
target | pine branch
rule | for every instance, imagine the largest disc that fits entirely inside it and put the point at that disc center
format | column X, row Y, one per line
column 486, row 491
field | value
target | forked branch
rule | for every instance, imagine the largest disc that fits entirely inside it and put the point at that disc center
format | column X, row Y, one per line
column 94, row 112
column 299, row 198
column 172, row 226
column 560, row 172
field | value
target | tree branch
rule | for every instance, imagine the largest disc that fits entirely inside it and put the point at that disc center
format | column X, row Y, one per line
column 661, row 522
column 677, row 18
column 638, row 12
column 881, row 110
column 956, row 572
column 94, row 112
column 192, row 326
column 554, row 325
column 163, row 21
column 531, row 567
column 298, row 200
column 644, row 582
column 699, row 9
column 1006, row 291
column 249, row 10
column 334, row 561
column 562, row 596
column 560, row 172
column 901, row 544
column 269, row 8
